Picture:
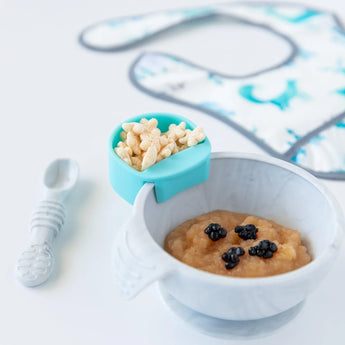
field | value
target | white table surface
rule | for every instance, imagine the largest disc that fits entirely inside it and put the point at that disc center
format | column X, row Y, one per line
column 59, row 99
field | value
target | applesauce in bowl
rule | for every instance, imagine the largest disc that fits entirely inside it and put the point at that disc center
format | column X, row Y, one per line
column 231, row 247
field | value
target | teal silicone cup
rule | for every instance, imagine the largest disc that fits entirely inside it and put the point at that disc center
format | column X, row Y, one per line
column 171, row 175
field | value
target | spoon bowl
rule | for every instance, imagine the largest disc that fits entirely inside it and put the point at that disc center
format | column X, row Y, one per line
column 60, row 176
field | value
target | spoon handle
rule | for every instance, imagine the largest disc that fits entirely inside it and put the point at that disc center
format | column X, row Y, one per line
column 35, row 264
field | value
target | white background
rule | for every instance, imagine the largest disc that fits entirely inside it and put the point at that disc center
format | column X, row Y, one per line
column 59, row 99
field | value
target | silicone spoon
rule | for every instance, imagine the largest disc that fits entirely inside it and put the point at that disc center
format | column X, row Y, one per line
column 36, row 263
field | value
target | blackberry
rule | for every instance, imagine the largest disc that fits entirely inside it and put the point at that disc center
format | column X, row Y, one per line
column 215, row 232
column 247, row 232
column 231, row 257
column 233, row 250
column 264, row 249
column 232, row 261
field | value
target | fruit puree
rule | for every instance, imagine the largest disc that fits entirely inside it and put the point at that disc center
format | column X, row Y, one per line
column 190, row 244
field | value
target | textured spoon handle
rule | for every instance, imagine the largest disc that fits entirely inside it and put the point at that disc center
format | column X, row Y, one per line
column 36, row 263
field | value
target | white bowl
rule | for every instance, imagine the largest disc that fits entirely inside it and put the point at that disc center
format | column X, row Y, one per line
column 262, row 186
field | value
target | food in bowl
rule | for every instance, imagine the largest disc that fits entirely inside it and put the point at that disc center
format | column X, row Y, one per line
column 238, row 245
column 143, row 145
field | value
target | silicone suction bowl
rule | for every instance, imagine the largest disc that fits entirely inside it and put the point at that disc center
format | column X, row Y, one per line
column 171, row 175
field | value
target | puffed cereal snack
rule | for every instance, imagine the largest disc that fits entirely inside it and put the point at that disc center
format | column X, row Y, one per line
column 143, row 144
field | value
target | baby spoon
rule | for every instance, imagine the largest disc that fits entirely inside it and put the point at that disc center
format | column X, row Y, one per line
column 36, row 263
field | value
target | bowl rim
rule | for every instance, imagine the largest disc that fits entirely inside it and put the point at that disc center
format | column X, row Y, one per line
column 174, row 265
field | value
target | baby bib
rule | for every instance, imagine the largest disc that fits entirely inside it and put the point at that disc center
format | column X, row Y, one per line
column 294, row 110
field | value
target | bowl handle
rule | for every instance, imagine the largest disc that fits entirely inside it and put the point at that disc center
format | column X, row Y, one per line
column 138, row 261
